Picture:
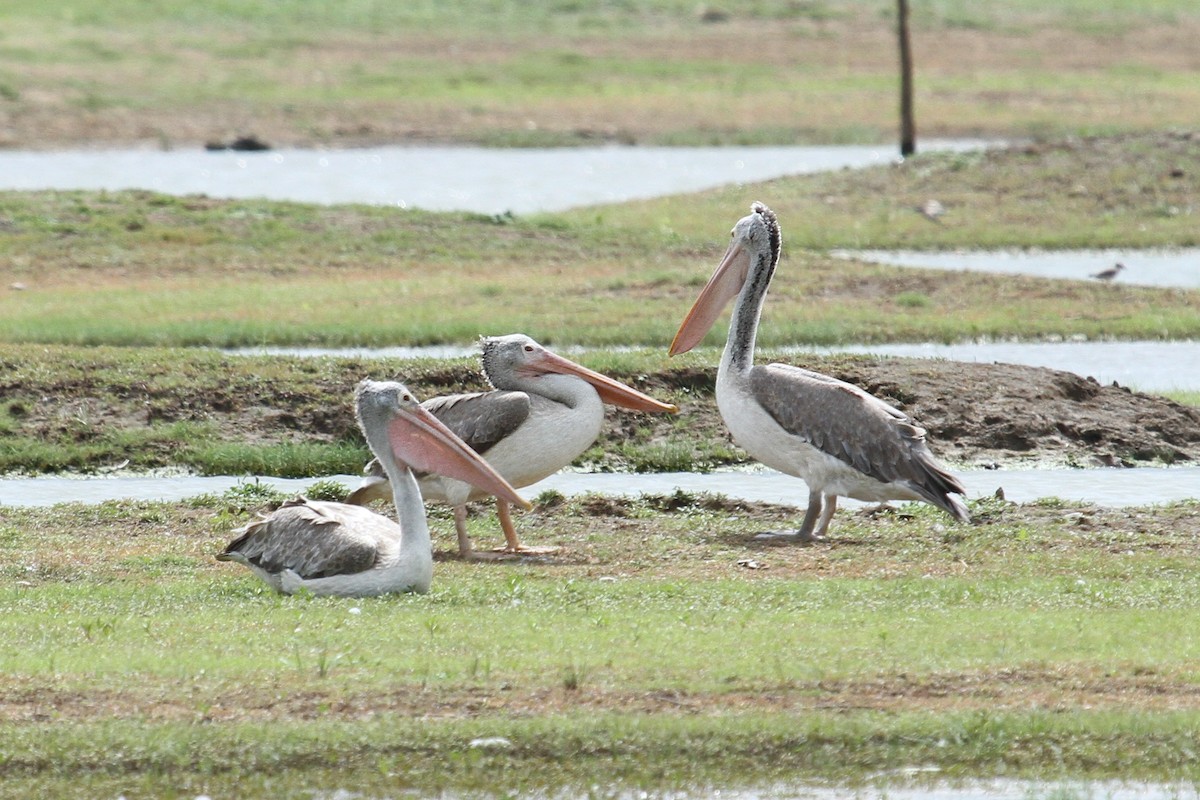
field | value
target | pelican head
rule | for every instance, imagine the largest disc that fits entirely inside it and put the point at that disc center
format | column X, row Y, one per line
column 405, row 436
column 753, row 251
column 510, row 360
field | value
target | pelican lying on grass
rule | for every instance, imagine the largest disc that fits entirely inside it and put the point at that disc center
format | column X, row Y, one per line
column 839, row 439
column 542, row 413
column 339, row 549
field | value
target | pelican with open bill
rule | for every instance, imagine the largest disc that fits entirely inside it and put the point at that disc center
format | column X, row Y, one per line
column 836, row 437
column 543, row 412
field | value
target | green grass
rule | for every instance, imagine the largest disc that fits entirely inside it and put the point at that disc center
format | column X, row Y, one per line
column 289, row 460
column 568, row 73
column 1046, row 640
column 1095, row 193
column 723, row 633
column 136, row 268
column 1188, row 398
column 644, row 655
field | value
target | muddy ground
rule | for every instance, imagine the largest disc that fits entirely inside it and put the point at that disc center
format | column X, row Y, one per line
column 992, row 414
column 981, row 412
column 975, row 414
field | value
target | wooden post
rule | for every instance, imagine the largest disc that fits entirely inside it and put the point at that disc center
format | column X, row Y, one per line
column 908, row 127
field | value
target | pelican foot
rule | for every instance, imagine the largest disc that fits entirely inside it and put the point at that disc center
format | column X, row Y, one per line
column 491, row 555
column 786, row 537
column 508, row 554
column 524, row 550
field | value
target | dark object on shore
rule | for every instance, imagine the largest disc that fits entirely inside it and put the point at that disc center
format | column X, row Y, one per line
column 247, row 143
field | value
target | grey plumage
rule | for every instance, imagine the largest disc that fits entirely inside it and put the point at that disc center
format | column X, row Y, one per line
column 347, row 550
column 542, row 412
column 481, row 428
column 856, row 427
column 352, row 540
column 838, row 438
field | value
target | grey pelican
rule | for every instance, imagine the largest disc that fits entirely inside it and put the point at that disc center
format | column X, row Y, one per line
column 542, row 413
column 346, row 550
column 1110, row 273
column 836, row 437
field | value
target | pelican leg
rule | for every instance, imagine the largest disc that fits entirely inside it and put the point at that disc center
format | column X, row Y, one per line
column 460, row 528
column 826, row 516
column 811, row 515
column 506, row 525
column 513, row 544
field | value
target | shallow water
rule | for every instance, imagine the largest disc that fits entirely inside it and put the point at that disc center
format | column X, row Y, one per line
column 904, row 784
column 1146, row 366
column 1174, row 268
column 489, row 181
column 1105, row 486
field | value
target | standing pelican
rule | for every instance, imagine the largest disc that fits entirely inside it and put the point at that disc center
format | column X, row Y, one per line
column 339, row 549
column 836, row 437
column 542, row 413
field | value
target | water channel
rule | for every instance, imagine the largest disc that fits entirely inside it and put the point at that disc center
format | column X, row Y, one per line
column 523, row 181
column 489, row 181
column 999, row 789
column 1179, row 268
column 1107, row 487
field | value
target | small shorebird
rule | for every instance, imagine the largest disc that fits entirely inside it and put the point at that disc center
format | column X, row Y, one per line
column 1110, row 273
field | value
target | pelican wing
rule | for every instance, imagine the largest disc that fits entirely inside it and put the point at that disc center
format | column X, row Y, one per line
column 481, row 419
column 842, row 420
column 313, row 539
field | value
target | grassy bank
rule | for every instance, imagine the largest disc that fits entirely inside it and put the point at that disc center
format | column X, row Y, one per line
column 81, row 408
column 663, row 646
column 96, row 409
column 135, row 268
column 301, row 72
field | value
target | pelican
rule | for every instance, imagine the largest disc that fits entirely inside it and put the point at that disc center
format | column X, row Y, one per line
column 839, row 439
column 346, row 550
column 541, row 414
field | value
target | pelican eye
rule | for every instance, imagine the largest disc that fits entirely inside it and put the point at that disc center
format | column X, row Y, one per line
column 528, row 348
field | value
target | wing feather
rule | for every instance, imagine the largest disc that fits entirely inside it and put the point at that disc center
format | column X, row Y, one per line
column 313, row 539
column 842, row 420
column 481, row 419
